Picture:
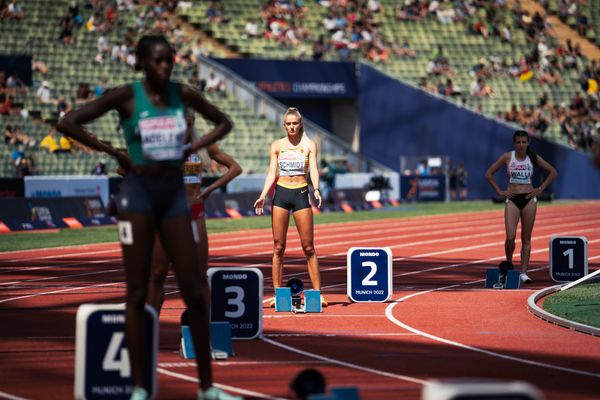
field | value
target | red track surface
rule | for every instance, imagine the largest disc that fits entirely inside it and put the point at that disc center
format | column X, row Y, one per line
column 441, row 324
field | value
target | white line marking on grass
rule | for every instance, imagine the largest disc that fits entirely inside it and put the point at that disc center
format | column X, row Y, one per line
column 219, row 385
column 346, row 364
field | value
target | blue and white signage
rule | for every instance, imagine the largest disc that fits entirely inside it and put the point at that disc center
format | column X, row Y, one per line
column 102, row 369
column 236, row 297
column 568, row 258
column 369, row 274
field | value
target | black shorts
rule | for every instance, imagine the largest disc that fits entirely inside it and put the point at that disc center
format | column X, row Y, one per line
column 291, row 199
column 161, row 197
column 521, row 200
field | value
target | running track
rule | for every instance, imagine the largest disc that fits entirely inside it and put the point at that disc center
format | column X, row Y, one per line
column 442, row 322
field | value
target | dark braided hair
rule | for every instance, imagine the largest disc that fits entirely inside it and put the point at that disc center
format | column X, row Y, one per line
column 145, row 45
column 532, row 155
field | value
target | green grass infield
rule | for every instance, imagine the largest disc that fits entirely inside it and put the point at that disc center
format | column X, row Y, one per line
column 580, row 304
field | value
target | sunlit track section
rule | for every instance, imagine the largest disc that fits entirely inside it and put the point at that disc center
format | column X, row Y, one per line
column 393, row 319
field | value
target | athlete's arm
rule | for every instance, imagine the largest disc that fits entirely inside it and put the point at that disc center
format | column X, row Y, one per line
column 314, row 171
column 72, row 123
column 549, row 178
column 271, row 175
column 489, row 175
column 223, row 125
column 233, row 169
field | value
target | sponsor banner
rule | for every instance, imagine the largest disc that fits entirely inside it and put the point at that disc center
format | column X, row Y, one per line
column 67, row 186
column 423, row 187
column 298, row 79
column 45, row 213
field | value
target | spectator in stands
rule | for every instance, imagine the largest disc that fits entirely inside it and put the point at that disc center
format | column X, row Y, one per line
column 66, row 31
column 403, row 50
column 320, row 48
column 22, row 138
column 15, row 11
column 99, row 168
column 9, row 137
column 7, row 107
column 49, row 141
column 291, row 160
column 152, row 198
column 424, row 84
column 62, row 106
column 43, row 93
column 38, row 65
column 101, row 87
column 251, row 29
column 15, row 85
column 196, row 82
column 16, row 155
column 480, row 89
column 215, row 12
column 22, row 168
column 83, row 93
column 215, row 84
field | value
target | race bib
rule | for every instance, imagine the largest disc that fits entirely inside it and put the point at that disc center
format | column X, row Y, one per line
column 163, row 137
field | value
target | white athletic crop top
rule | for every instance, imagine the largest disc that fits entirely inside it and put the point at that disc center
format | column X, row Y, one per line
column 519, row 172
column 293, row 161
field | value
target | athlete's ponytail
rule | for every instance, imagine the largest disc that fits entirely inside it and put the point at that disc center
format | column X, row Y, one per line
column 530, row 153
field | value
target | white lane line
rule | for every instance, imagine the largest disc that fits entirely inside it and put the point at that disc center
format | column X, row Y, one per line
column 389, row 314
column 339, row 333
column 219, row 385
column 346, row 364
column 60, row 291
column 234, row 363
column 48, row 278
column 8, row 396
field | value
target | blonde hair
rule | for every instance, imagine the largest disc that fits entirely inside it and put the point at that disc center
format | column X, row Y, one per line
column 296, row 112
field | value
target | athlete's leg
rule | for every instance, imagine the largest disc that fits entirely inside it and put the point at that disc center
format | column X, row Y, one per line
column 511, row 220
column 304, row 223
column 527, row 221
column 280, row 219
column 137, row 259
column 179, row 241
column 158, row 274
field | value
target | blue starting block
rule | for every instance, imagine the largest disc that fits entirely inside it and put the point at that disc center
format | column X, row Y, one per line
column 312, row 300
column 493, row 279
column 220, row 341
column 338, row 393
column 345, row 393
column 283, row 299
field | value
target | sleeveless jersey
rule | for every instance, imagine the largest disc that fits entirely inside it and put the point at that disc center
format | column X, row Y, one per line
column 293, row 161
column 519, row 172
column 155, row 135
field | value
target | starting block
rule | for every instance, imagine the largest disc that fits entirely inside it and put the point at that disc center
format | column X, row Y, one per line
column 285, row 302
column 504, row 277
column 312, row 300
column 220, row 341
column 283, row 299
column 338, row 393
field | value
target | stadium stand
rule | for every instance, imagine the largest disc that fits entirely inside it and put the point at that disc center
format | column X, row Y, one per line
column 482, row 55
column 69, row 65
column 454, row 44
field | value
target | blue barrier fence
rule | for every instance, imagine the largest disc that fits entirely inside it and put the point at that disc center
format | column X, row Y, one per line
column 399, row 120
